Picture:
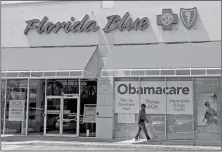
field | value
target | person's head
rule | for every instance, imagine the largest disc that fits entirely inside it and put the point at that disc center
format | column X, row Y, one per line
column 143, row 106
column 207, row 104
column 207, row 115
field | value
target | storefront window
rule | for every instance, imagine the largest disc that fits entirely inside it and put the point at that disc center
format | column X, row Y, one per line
column 88, row 101
column 155, row 105
column 207, row 111
column 2, row 103
column 66, row 86
column 179, row 99
column 127, row 104
column 36, row 106
column 16, row 106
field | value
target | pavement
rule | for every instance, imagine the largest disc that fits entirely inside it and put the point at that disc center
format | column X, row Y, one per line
column 69, row 143
column 71, row 149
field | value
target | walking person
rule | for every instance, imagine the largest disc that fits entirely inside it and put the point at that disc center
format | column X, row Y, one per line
column 141, row 123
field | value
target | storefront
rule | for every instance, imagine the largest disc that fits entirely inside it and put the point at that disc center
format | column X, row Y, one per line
column 79, row 73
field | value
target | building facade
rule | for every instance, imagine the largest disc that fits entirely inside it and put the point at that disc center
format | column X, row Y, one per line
column 83, row 69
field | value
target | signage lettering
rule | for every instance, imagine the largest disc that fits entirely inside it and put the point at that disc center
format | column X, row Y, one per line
column 127, row 23
column 124, row 89
column 173, row 97
column 167, row 19
column 74, row 26
column 114, row 22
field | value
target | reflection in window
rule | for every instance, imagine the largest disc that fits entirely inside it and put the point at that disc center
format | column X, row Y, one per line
column 17, row 92
column 180, row 109
column 88, row 98
column 66, row 86
column 207, row 101
column 36, row 106
column 2, row 103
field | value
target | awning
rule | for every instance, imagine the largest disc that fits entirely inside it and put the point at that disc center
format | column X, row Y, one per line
column 164, row 59
column 49, row 62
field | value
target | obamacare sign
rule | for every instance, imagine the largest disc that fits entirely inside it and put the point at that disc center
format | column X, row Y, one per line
column 160, row 97
column 114, row 22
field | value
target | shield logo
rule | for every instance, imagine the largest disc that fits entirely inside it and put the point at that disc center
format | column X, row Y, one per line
column 188, row 16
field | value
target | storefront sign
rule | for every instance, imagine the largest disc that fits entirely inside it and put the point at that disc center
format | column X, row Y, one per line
column 167, row 19
column 16, row 110
column 173, row 97
column 188, row 17
column 126, row 22
column 126, row 99
column 89, row 115
column 181, row 103
column 114, row 22
column 153, row 96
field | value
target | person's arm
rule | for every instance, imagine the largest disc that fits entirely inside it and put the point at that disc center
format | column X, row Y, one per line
column 203, row 119
column 139, row 116
column 145, row 119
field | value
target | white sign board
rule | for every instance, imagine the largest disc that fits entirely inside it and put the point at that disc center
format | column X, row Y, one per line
column 89, row 115
column 16, row 110
column 126, row 100
column 173, row 97
column 155, row 103
column 180, row 97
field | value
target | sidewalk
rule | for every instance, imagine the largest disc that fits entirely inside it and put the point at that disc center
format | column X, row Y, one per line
column 109, row 143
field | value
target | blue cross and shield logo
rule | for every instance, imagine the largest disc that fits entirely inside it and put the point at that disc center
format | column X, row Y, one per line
column 168, row 18
column 188, row 17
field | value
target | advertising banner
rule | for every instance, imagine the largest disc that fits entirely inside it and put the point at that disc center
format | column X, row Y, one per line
column 207, row 112
column 126, row 98
column 173, row 97
column 16, row 110
column 179, row 97
column 153, row 97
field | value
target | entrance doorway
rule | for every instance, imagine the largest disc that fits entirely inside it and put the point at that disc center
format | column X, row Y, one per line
column 61, row 117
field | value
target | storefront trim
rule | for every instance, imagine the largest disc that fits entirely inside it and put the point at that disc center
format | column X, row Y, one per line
column 52, row 74
column 200, row 72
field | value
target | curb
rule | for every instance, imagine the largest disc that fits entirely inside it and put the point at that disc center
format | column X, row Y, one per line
column 125, row 146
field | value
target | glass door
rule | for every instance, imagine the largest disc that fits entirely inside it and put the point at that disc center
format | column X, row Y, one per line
column 53, row 119
column 70, row 113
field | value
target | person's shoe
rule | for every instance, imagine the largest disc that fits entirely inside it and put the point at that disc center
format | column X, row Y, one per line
column 148, row 140
column 135, row 140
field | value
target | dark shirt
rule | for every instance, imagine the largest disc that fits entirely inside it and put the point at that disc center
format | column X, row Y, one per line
column 142, row 116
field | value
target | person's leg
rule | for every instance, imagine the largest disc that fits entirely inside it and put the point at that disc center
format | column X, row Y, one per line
column 145, row 131
column 138, row 133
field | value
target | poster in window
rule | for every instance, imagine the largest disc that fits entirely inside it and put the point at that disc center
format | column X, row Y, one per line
column 89, row 115
column 126, row 97
column 153, row 97
column 176, row 95
column 207, row 113
column 16, row 110
column 179, row 97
